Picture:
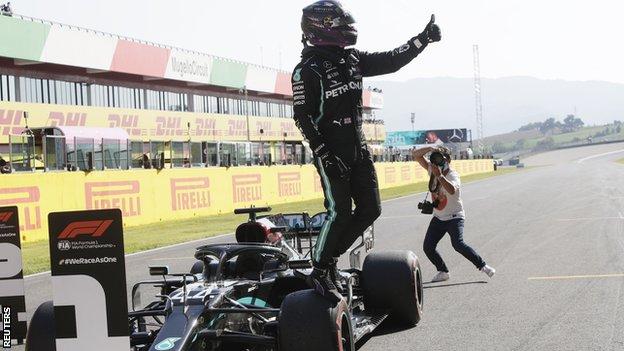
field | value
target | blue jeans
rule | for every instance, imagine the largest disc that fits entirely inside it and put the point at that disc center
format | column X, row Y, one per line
column 455, row 227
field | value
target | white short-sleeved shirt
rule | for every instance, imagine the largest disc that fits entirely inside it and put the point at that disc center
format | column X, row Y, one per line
column 450, row 206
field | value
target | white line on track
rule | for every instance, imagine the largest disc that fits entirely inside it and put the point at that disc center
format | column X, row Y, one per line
column 561, row 277
column 588, row 218
column 581, row 160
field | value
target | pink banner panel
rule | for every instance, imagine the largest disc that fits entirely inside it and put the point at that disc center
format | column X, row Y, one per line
column 141, row 59
column 283, row 85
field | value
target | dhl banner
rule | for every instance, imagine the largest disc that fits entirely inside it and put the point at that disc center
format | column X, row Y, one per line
column 157, row 125
column 149, row 196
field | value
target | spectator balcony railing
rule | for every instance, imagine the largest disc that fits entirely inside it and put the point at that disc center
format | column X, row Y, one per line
column 49, row 153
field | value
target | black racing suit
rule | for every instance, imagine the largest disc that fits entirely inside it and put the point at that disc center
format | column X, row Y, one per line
column 327, row 99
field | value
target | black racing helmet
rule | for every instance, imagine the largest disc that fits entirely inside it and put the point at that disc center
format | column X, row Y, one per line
column 328, row 23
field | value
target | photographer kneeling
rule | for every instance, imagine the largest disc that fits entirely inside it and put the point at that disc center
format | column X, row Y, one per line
column 447, row 209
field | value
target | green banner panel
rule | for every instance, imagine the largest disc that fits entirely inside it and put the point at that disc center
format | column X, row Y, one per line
column 228, row 73
column 22, row 39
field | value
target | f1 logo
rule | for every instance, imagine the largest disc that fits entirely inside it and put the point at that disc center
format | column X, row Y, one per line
column 91, row 228
column 5, row 216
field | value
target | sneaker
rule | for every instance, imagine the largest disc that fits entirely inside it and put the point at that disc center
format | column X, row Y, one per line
column 490, row 271
column 320, row 280
column 440, row 277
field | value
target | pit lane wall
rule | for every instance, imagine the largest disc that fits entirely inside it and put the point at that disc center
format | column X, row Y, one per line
column 157, row 125
column 150, row 196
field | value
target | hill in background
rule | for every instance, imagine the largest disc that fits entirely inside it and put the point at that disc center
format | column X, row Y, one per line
column 508, row 103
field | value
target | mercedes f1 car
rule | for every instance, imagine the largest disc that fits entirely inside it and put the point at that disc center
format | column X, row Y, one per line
column 249, row 295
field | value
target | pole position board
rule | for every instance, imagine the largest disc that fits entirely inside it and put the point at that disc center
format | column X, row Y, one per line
column 12, row 300
column 89, row 280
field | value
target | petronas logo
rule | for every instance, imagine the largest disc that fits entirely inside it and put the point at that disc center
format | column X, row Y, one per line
column 297, row 75
column 166, row 344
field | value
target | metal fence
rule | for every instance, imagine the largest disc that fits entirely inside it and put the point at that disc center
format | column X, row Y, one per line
column 48, row 153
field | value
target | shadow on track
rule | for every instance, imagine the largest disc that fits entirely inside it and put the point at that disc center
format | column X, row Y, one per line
column 428, row 285
column 384, row 329
column 387, row 327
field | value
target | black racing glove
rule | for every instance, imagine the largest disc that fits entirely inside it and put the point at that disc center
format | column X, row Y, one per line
column 333, row 165
column 432, row 32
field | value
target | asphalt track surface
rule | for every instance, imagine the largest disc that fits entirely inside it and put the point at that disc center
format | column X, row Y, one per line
column 555, row 234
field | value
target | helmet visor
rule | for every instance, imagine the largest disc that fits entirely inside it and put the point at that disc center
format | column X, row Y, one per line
column 337, row 22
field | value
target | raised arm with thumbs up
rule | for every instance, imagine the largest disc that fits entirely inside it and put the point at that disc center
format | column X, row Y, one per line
column 432, row 31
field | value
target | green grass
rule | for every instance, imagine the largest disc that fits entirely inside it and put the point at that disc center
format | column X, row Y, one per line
column 36, row 254
column 559, row 139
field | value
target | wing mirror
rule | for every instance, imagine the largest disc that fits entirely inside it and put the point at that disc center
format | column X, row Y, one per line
column 158, row 270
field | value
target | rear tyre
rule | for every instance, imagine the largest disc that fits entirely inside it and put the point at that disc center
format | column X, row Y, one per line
column 309, row 322
column 41, row 333
column 392, row 281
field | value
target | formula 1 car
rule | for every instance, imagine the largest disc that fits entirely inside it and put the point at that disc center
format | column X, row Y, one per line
column 249, row 295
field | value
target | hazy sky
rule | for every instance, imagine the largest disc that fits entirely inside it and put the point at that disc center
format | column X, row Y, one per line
column 554, row 39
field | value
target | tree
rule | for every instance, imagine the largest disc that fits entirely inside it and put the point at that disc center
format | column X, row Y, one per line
column 572, row 124
column 548, row 126
column 530, row 126
column 520, row 144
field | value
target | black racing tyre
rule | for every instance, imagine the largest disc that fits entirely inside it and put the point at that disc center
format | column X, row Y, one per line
column 309, row 322
column 392, row 281
column 40, row 335
column 197, row 267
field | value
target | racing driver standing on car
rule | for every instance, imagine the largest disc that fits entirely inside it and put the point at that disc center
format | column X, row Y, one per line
column 327, row 100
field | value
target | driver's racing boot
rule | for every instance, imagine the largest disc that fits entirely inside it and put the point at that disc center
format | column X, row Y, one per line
column 321, row 281
column 336, row 276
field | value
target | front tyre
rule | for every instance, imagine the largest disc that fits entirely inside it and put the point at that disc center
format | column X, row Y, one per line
column 41, row 333
column 309, row 322
column 392, row 281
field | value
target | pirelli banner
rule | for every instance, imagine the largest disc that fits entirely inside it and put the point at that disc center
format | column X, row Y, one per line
column 89, row 280
column 149, row 196
column 157, row 125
